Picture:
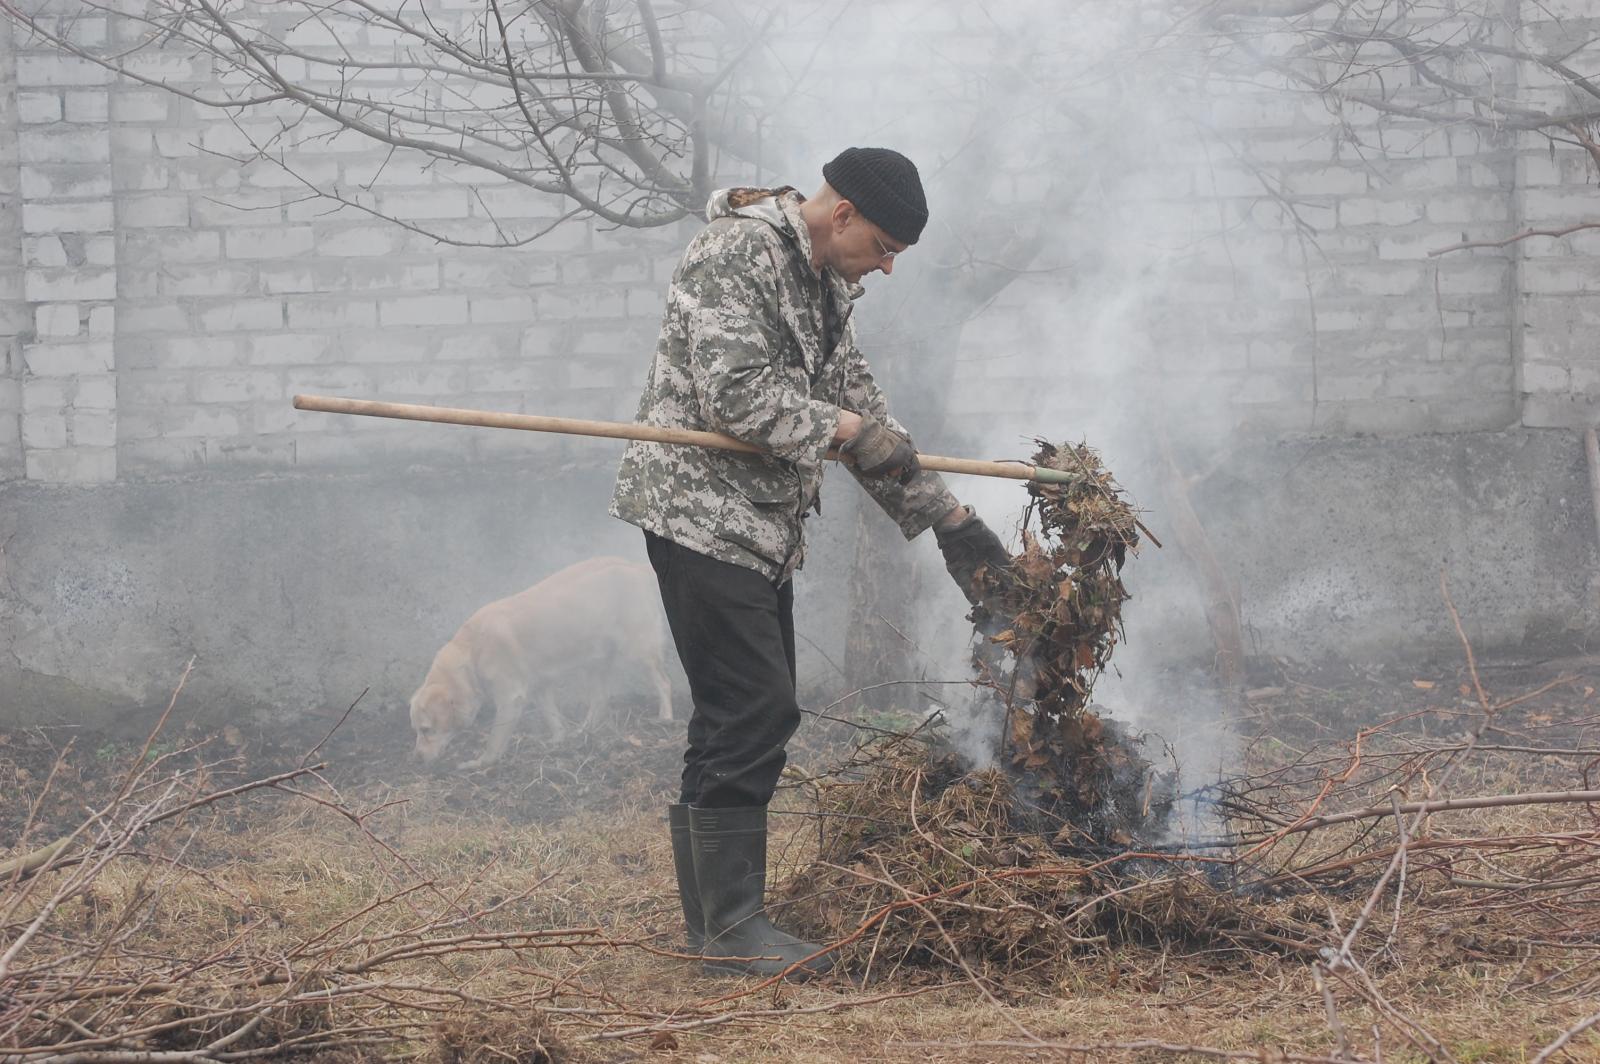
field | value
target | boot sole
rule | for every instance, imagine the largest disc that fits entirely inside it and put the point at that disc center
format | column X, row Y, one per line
column 799, row 975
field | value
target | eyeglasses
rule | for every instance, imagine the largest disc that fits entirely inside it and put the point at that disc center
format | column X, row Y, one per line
column 886, row 255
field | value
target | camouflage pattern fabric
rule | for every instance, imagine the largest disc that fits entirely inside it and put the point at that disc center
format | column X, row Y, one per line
column 756, row 344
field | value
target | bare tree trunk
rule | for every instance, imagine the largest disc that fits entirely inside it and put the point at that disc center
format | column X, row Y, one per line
column 883, row 580
column 882, row 591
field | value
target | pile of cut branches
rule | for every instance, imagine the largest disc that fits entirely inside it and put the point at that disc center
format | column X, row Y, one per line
column 120, row 941
column 924, row 865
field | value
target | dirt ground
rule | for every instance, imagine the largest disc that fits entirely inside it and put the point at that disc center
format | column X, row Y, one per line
column 579, row 827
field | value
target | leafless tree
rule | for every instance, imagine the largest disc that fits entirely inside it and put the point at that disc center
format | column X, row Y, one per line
column 1393, row 68
column 621, row 108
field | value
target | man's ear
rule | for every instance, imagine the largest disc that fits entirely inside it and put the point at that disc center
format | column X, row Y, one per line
column 843, row 212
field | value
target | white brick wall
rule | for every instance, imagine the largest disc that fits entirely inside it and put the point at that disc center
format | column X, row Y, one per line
column 162, row 304
column 68, row 266
column 1557, row 324
column 1364, row 329
column 16, row 317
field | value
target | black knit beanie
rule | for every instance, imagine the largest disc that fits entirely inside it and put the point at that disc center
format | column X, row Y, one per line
column 884, row 186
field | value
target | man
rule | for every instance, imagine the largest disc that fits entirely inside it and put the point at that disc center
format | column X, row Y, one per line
column 757, row 342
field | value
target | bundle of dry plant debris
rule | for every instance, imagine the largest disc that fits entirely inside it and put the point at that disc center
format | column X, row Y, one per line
column 925, row 865
column 922, row 865
column 1353, row 857
column 1059, row 609
column 1057, row 615
column 1019, row 866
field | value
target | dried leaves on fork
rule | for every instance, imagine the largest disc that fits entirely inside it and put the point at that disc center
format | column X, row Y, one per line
column 1058, row 612
column 1059, row 609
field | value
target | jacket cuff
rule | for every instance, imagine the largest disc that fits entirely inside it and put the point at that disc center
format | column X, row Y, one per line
column 928, row 510
column 914, row 507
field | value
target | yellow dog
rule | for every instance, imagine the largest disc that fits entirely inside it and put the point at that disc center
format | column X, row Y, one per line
column 589, row 621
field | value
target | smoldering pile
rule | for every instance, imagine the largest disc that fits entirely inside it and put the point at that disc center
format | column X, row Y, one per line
column 923, row 865
column 1006, row 864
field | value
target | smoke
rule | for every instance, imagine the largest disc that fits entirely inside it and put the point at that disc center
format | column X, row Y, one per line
column 972, row 728
column 1061, row 291
column 1085, row 270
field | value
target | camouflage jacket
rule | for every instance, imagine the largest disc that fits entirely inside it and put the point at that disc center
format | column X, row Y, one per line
column 758, row 345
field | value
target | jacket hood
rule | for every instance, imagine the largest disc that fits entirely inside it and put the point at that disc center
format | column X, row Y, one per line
column 765, row 204
column 779, row 208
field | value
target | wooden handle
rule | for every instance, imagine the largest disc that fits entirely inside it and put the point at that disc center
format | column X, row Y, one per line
column 623, row 430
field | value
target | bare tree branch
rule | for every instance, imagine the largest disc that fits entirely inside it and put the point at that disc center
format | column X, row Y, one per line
column 555, row 97
column 1524, row 235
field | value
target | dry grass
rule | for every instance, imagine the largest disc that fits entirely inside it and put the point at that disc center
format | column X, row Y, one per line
column 274, row 870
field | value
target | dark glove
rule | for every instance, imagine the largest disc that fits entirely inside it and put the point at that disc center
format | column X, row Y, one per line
column 969, row 545
column 877, row 451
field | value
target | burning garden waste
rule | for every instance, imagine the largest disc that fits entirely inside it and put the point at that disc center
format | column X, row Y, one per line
column 1060, row 854
column 908, row 828
column 1058, row 613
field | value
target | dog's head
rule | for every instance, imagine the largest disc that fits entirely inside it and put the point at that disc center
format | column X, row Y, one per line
column 438, row 711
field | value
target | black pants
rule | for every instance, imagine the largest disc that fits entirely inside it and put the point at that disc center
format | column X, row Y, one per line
column 734, row 631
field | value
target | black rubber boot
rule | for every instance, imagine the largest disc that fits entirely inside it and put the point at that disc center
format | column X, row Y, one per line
column 688, row 886
column 730, row 864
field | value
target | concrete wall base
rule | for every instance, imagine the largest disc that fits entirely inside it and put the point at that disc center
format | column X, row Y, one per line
column 294, row 594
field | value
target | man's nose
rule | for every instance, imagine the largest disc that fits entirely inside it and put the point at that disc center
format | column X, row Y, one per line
column 887, row 266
